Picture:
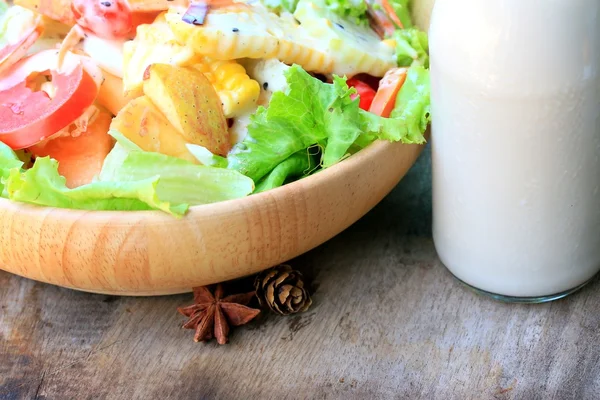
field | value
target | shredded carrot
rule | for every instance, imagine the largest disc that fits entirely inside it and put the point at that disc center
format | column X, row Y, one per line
column 391, row 13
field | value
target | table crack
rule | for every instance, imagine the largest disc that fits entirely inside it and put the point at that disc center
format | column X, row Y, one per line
column 37, row 390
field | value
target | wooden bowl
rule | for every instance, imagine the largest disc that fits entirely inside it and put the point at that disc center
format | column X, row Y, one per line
column 151, row 253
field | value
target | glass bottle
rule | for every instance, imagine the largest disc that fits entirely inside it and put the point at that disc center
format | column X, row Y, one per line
column 515, row 95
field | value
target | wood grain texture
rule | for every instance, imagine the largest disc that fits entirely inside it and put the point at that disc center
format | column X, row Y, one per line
column 151, row 253
column 388, row 322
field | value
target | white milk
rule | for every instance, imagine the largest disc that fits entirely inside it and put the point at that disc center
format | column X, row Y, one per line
column 516, row 142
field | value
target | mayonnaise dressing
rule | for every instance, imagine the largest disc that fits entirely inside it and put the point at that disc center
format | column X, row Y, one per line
column 516, row 142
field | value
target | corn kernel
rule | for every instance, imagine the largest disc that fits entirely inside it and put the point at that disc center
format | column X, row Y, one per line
column 237, row 91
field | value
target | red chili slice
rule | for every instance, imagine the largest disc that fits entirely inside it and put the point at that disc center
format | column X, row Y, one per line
column 28, row 117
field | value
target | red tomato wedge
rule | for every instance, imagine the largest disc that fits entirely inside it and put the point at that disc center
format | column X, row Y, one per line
column 363, row 91
column 28, row 116
column 389, row 86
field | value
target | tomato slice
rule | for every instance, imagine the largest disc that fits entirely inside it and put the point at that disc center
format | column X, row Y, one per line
column 48, row 60
column 29, row 116
column 389, row 86
column 12, row 53
column 363, row 91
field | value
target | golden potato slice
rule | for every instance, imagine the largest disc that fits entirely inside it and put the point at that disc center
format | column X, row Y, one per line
column 111, row 94
column 190, row 103
column 142, row 123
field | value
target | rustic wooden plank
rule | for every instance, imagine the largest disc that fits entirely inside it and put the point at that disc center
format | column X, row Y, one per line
column 388, row 321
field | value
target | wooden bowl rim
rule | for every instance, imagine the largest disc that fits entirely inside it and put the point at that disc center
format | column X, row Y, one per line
column 198, row 211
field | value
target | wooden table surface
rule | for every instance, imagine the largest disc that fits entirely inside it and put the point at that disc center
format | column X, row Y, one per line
column 388, row 321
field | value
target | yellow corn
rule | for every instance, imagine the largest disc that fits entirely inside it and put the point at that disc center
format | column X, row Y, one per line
column 249, row 32
column 238, row 93
column 154, row 43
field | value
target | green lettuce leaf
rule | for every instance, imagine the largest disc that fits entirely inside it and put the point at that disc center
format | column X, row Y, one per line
column 181, row 182
column 296, row 166
column 412, row 108
column 130, row 179
column 412, row 47
column 43, row 185
column 402, row 9
column 205, row 156
column 279, row 6
column 409, row 118
column 117, row 156
column 354, row 11
column 8, row 161
column 312, row 113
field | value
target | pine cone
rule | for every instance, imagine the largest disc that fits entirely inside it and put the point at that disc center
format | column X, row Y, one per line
column 282, row 289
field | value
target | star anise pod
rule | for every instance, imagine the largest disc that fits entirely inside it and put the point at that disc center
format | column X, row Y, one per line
column 211, row 315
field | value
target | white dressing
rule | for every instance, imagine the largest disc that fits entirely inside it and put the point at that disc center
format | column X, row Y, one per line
column 516, row 142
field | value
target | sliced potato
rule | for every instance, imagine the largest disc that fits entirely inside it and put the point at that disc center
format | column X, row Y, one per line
column 142, row 123
column 111, row 94
column 190, row 103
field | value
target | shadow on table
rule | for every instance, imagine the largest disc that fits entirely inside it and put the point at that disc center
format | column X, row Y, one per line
column 407, row 209
column 388, row 230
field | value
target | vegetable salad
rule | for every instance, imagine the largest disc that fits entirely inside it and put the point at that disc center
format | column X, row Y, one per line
column 166, row 104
